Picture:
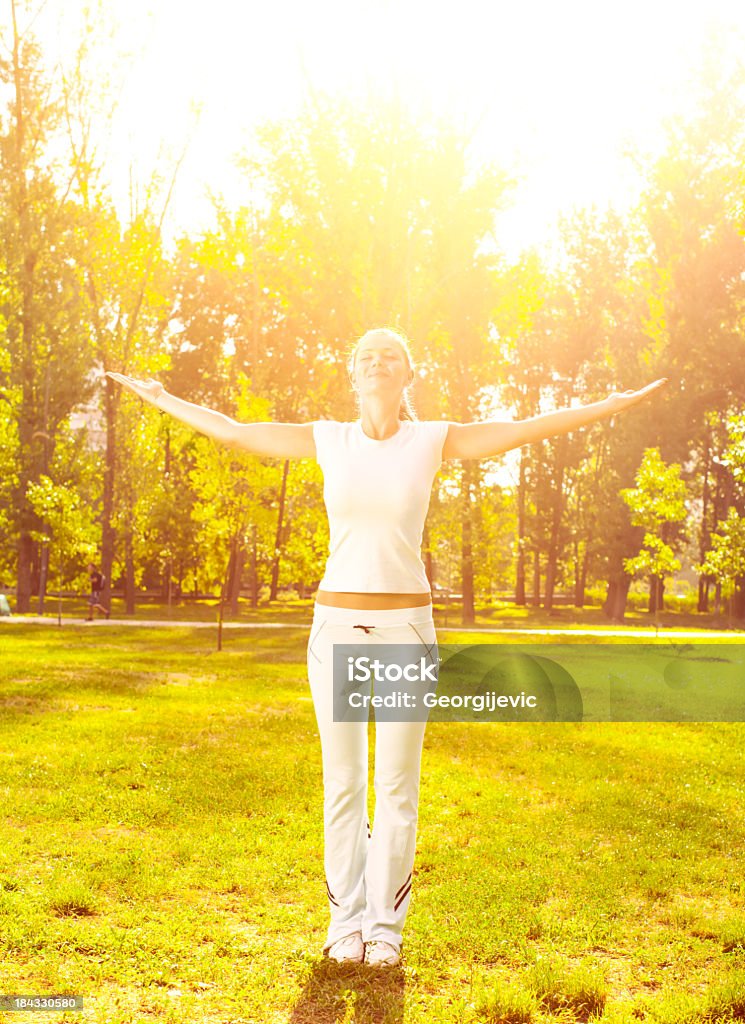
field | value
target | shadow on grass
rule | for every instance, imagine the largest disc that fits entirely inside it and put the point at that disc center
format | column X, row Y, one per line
column 339, row 992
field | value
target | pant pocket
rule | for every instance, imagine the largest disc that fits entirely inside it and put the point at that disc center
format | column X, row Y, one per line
column 422, row 632
column 313, row 637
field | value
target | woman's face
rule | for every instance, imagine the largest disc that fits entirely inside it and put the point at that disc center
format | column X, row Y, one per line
column 381, row 366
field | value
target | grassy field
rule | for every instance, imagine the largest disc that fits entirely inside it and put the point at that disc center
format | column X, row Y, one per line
column 161, row 850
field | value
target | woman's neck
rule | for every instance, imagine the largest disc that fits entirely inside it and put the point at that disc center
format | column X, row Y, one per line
column 379, row 419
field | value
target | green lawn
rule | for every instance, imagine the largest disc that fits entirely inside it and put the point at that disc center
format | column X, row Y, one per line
column 161, row 850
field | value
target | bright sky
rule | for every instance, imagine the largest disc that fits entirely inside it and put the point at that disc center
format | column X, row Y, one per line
column 557, row 91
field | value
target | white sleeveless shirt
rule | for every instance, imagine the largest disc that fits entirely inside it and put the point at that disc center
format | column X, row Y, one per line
column 377, row 495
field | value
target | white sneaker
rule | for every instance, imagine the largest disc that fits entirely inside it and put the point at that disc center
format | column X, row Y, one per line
column 381, row 954
column 350, row 948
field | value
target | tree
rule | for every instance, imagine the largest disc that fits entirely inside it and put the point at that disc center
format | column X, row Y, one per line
column 9, row 457
column 723, row 554
column 725, row 560
column 44, row 332
column 522, row 292
column 69, row 533
column 657, row 504
column 695, row 277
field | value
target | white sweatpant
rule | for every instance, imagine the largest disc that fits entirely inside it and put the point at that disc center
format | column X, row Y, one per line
column 369, row 872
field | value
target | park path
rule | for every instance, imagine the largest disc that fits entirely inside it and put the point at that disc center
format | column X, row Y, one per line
column 649, row 632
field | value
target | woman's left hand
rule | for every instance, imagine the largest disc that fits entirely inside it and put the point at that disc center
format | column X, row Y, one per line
column 621, row 400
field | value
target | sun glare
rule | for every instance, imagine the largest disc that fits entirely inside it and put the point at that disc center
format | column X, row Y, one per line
column 558, row 94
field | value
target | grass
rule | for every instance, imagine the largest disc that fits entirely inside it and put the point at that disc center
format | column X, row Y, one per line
column 162, row 850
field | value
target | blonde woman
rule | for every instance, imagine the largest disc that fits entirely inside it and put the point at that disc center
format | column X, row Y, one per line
column 378, row 473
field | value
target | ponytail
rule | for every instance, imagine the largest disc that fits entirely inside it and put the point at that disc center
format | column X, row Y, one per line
column 407, row 410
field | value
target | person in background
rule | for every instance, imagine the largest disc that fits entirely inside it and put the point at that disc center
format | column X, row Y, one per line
column 98, row 582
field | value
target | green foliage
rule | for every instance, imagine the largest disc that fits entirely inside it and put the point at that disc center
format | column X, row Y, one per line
column 657, row 501
column 734, row 454
column 358, row 213
column 236, row 496
column 659, row 495
column 69, row 528
column 44, row 339
column 725, row 560
column 9, row 466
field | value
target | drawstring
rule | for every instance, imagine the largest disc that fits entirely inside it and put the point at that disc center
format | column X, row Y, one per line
column 367, row 629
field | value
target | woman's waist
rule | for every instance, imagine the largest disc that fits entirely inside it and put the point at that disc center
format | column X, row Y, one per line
column 371, row 610
column 369, row 601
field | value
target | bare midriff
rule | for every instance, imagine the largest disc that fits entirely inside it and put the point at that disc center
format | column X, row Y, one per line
column 371, row 602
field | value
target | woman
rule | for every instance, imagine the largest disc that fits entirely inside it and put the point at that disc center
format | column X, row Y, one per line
column 378, row 473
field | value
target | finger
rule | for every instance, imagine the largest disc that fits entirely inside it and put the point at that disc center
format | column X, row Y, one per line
column 646, row 390
column 121, row 378
column 135, row 386
column 653, row 386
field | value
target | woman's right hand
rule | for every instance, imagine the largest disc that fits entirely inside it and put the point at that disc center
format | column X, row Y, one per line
column 148, row 390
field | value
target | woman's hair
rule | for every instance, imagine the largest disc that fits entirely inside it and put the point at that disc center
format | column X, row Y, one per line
column 407, row 411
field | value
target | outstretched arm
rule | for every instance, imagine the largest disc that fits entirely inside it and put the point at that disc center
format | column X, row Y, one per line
column 277, row 440
column 493, row 437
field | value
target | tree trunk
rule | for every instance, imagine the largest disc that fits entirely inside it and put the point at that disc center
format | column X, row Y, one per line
column 536, row 578
column 580, row 582
column 166, row 583
column 108, row 535
column 704, row 539
column 615, row 601
column 25, row 556
column 656, row 594
column 278, row 535
column 232, row 585
column 552, row 562
column 254, row 580
column 43, row 574
column 129, row 575
column 469, row 611
column 521, row 540
column 738, row 598
column 239, row 559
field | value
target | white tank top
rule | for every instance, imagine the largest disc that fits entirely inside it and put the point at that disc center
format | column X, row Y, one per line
column 377, row 495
